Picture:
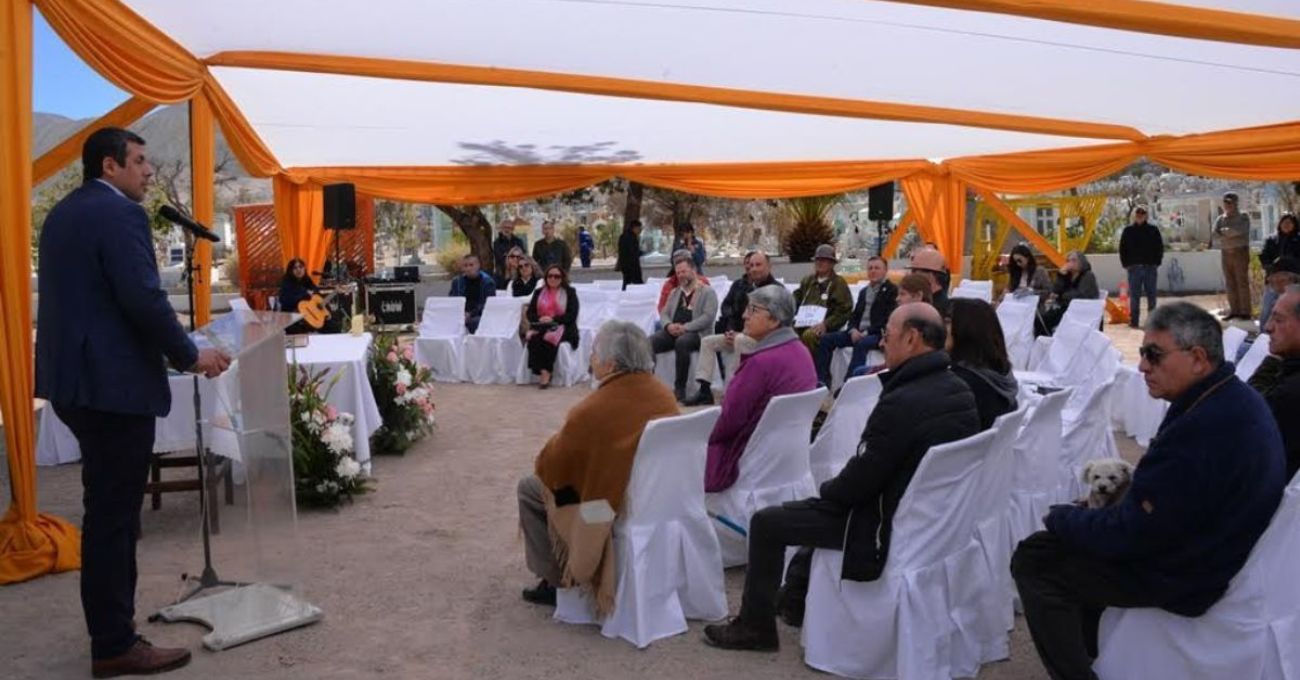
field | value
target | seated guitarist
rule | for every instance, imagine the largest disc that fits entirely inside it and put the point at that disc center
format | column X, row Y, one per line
column 295, row 287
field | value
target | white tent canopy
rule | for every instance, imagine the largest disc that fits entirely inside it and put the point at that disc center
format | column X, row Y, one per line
column 888, row 52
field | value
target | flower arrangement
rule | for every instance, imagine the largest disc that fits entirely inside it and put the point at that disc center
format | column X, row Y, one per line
column 324, row 471
column 404, row 391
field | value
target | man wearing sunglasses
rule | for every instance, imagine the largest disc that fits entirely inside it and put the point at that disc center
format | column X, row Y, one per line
column 1200, row 498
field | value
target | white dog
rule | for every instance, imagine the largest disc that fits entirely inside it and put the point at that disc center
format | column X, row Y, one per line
column 1108, row 480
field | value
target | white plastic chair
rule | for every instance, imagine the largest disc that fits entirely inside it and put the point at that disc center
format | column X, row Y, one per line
column 440, row 344
column 493, row 352
column 1086, row 439
column 773, row 469
column 1254, row 357
column 902, row 625
column 983, row 637
column 838, row 439
column 668, row 561
column 1253, row 631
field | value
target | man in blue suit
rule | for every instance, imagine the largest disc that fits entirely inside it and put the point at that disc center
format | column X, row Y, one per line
column 104, row 328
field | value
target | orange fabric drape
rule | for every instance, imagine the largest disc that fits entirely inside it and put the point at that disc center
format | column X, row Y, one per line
column 1269, row 152
column 54, row 160
column 203, row 145
column 155, row 68
column 896, row 237
column 298, row 218
column 1041, row 171
column 31, row 543
column 1160, row 18
column 658, row 90
column 1047, row 248
column 938, row 200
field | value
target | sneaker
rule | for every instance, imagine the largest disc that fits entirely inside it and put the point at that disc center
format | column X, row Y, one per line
column 739, row 635
column 142, row 658
column 543, row 593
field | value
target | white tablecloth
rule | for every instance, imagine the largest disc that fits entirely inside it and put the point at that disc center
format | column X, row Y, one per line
column 352, row 393
column 55, row 444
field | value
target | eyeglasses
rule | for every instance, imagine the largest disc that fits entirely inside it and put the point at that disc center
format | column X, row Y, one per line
column 755, row 308
column 512, row 257
column 1154, row 354
column 556, row 277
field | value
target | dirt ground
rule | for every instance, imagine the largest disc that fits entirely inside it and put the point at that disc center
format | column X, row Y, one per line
column 419, row 579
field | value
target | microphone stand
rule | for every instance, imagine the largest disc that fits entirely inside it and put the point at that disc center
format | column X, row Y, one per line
column 208, row 579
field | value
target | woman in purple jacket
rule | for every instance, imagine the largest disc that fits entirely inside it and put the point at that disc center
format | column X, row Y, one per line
column 780, row 364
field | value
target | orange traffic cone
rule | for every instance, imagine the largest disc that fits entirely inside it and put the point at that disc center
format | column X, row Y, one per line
column 1119, row 309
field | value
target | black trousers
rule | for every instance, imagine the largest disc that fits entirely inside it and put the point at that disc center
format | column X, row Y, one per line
column 541, row 354
column 115, row 453
column 1063, row 594
column 683, row 345
column 771, row 530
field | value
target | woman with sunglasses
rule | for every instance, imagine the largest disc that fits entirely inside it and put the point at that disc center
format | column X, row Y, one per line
column 525, row 278
column 552, row 319
column 1024, row 276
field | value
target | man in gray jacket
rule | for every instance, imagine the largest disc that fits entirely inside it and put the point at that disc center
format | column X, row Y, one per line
column 1233, row 230
column 689, row 312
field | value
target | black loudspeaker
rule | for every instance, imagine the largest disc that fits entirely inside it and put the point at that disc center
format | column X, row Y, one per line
column 880, row 202
column 340, row 206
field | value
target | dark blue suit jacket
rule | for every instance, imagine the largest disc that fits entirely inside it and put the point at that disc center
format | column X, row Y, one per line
column 104, row 324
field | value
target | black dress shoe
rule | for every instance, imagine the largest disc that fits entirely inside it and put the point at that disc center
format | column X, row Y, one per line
column 704, row 397
column 543, row 593
column 737, row 634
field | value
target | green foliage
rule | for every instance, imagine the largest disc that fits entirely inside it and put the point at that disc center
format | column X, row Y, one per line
column 810, row 226
column 398, row 223
column 47, row 196
column 450, row 255
column 325, row 473
column 1105, row 237
column 403, row 390
column 606, row 235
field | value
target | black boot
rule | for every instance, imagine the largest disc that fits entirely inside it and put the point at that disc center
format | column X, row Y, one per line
column 741, row 635
column 704, row 397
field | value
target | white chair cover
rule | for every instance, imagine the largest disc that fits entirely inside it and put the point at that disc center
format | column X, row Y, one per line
column 977, row 290
column 239, row 304
column 669, row 564
column 441, row 342
column 643, row 291
column 773, row 469
column 1254, row 357
column 1232, row 339
column 1133, row 408
column 1035, row 480
column 1087, row 313
column 1085, row 439
column 609, row 284
column 841, row 432
column 1253, row 632
column 1016, row 316
column 55, row 443
column 666, row 371
column 639, row 311
column 1061, row 356
column 840, row 364
column 985, row 638
column 493, row 352
column 902, row 625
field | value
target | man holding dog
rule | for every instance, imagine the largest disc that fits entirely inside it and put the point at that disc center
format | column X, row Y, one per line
column 1200, row 498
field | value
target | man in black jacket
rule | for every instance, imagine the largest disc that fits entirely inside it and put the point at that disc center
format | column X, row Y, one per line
column 1141, row 250
column 551, row 250
column 729, row 338
column 505, row 241
column 876, row 301
column 1278, row 379
column 922, row 405
column 629, row 254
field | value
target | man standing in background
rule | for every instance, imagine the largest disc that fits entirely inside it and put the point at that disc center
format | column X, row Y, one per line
column 1233, row 230
column 1141, row 250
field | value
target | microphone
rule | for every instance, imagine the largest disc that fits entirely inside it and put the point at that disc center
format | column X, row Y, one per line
column 198, row 230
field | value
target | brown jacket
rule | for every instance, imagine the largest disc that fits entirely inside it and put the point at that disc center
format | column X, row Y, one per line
column 591, row 456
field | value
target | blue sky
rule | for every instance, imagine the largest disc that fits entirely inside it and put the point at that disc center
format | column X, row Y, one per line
column 62, row 83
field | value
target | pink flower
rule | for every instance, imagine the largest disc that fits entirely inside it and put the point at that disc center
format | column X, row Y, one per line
column 331, row 413
column 426, row 407
column 401, row 389
column 392, row 357
column 408, row 353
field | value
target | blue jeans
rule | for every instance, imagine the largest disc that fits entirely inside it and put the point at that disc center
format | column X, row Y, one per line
column 1141, row 279
column 1266, row 306
column 830, row 342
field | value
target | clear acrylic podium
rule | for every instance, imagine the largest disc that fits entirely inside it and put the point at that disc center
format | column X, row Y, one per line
column 258, row 544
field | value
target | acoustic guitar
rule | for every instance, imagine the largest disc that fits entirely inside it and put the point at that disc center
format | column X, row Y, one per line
column 313, row 310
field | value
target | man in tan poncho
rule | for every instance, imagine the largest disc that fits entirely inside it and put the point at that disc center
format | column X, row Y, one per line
column 566, row 540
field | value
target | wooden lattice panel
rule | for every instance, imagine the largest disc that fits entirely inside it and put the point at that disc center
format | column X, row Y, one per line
column 261, row 258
